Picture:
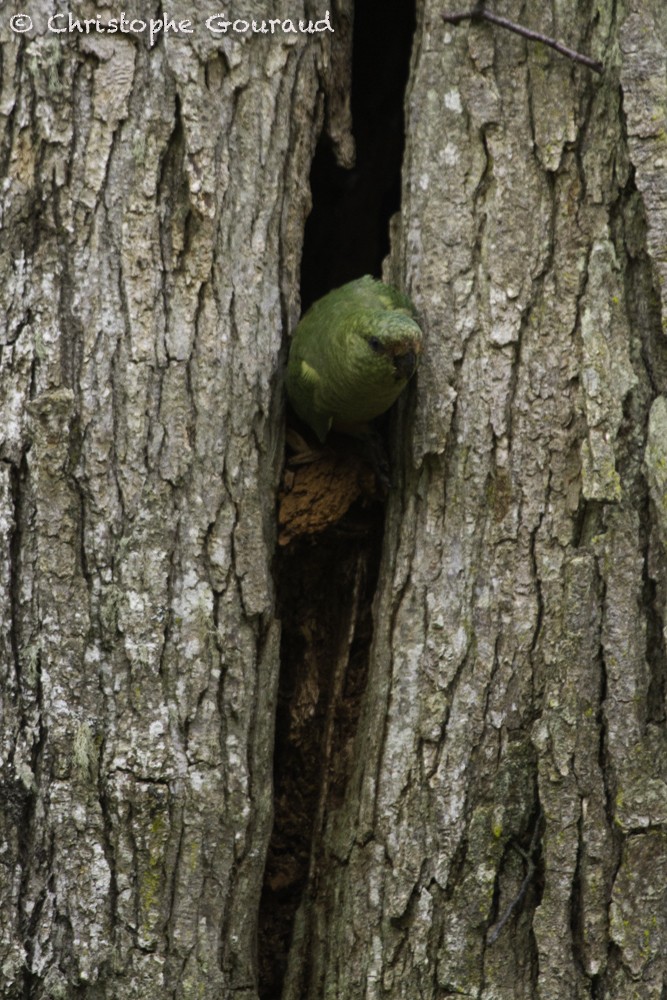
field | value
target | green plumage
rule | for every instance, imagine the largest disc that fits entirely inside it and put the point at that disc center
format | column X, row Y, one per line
column 351, row 355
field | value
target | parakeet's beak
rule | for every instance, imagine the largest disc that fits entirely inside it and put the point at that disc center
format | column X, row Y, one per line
column 405, row 364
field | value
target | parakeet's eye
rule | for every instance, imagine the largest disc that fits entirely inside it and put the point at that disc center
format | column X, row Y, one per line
column 375, row 344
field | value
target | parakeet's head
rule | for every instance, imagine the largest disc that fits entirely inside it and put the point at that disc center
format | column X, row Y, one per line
column 388, row 343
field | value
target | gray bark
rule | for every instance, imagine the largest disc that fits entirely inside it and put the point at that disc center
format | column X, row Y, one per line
column 152, row 212
column 511, row 757
column 509, row 770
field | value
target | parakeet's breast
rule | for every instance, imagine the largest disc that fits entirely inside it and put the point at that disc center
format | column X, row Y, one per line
column 357, row 392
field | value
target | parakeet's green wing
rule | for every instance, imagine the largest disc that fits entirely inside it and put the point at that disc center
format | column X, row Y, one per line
column 303, row 381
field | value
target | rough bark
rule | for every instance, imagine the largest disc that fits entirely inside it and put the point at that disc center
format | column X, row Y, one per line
column 503, row 831
column 152, row 214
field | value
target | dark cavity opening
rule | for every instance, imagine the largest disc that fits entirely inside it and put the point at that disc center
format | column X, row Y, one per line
column 326, row 582
column 347, row 232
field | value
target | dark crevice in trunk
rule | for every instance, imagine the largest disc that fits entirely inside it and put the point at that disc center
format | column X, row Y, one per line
column 347, row 232
column 326, row 581
column 326, row 590
column 648, row 353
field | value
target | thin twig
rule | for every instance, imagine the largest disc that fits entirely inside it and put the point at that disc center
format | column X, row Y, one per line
column 531, row 867
column 481, row 14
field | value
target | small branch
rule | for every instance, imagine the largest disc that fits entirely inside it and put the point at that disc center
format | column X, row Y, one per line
column 531, row 867
column 480, row 13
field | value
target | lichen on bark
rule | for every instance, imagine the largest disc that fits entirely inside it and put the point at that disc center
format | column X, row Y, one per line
column 515, row 685
column 497, row 827
column 152, row 207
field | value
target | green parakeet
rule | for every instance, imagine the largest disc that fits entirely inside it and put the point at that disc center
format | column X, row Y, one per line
column 351, row 356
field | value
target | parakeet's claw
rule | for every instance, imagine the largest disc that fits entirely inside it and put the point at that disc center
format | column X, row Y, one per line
column 376, row 454
column 382, row 472
column 302, row 452
column 369, row 445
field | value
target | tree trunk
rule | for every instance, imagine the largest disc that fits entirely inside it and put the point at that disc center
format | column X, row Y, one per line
column 470, row 758
column 502, row 833
column 153, row 210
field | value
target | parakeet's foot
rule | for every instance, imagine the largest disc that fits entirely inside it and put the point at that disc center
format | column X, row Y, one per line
column 371, row 447
column 303, row 453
